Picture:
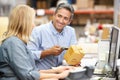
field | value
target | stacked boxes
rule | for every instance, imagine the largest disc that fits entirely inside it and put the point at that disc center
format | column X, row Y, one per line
column 85, row 4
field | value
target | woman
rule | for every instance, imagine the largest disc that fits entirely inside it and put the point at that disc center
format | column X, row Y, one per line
column 16, row 62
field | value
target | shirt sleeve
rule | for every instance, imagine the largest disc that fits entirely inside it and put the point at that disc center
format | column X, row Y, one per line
column 20, row 61
column 73, row 38
column 34, row 43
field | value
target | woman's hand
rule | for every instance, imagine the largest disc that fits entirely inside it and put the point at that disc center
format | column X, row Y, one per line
column 49, row 79
column 64, row 74
column 60, row 69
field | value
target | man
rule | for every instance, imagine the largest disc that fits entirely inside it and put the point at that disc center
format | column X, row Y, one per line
column 48, row 39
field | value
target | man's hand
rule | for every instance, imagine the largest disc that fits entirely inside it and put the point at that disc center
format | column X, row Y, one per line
column 56, row 50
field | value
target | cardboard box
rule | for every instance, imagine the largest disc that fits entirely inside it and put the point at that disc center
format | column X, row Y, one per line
column 106, row 33
column 74, row 55
column 83, row 4
column 42, row 4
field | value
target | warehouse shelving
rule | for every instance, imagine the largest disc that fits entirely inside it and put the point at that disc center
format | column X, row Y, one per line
column 91, row 11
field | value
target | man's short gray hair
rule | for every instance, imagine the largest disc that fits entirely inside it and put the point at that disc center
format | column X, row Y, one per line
column 67, row 7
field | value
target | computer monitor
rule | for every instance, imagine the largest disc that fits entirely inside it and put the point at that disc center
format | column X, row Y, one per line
column 119, row 53
column 114, row 48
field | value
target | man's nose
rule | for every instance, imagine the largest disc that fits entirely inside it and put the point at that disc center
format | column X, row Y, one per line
column 61, row 20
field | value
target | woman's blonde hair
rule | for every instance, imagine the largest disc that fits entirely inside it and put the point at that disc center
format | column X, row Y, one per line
column 21, row 22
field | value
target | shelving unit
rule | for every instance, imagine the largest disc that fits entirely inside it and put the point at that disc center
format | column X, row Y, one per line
column 50, row 12
column 93, row 15
column 102, row 13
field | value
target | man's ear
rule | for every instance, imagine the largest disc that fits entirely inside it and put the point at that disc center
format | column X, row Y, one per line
column 69, row 21
column 53, row 15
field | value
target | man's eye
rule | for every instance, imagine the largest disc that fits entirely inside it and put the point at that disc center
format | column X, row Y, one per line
column 66, row 19
column 59, row 16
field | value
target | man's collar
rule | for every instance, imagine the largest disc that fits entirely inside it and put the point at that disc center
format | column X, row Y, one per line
column 54, row 31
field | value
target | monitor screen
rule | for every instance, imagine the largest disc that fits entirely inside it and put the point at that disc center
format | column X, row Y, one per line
column 119, row 53
column 114, row 47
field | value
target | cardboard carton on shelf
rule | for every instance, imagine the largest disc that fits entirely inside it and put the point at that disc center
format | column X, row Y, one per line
column 84, row 4
column 42, row 4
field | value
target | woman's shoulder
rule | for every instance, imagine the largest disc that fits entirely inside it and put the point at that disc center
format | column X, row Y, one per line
column 13, row 40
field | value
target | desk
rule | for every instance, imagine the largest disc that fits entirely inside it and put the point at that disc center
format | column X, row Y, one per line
column 88, row 75
column 93, row 78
